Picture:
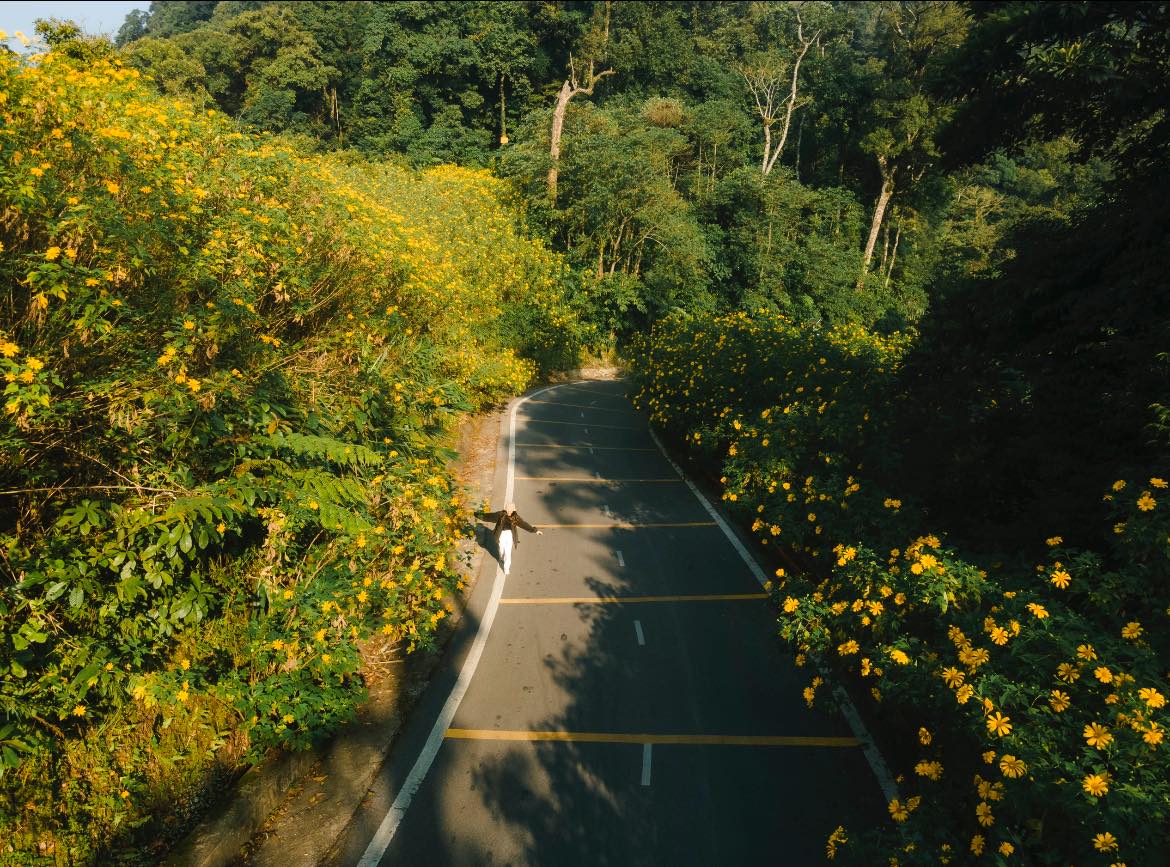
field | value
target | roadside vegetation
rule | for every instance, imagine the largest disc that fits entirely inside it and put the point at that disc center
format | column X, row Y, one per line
column 1026, row 696
column 231, row 368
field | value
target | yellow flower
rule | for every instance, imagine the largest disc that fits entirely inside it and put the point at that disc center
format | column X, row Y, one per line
column 124, row 794
column 924, row 736
column 185, row 664
column 1087, row 652
column 1131, row 630
column 837, row 838
column 1154, row 734
column 791, row 604
column 52, row 253
column 1158, row 483
column 931, row 770
column 1006, row 848
column 1039, row 611
column 1060, row 578
column 898, row 811
column 1119, row 485
column 1059, row 701
column 1146, row 502
column 78, row 710
column 288, row 719
column 1103, row 674
column 899, row 656
column 1054, row 541
column 1152, row 697
column 849, row 647
column 998, row 724
column 977, row 844
column 953, row 677
column 189, row 325
column 999, row 635
column 983, row 814
column 1104, row 842
column 8, row 348
column 1097, row 735
column 113, row 188
column 1012, row 767
column 1096, row 784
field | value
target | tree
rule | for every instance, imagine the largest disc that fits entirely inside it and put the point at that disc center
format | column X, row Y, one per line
column 766, row 80
column 572, row 87
column 134, row 27
column 914, row 35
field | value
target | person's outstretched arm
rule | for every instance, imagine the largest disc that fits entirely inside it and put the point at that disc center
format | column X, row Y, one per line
column 492, row 516
column 520, row 522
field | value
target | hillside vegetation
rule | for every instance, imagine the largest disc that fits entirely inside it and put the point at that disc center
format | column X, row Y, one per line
column 230, row 369
column 892, row 272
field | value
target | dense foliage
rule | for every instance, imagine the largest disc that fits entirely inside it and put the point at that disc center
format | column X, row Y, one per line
column 231, row 359
column 664, row 201
column 1029, row 698
column 230, row 370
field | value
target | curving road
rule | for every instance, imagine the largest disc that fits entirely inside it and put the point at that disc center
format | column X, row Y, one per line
column 630, row 704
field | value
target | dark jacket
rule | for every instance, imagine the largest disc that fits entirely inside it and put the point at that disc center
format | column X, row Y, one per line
column 504, row 521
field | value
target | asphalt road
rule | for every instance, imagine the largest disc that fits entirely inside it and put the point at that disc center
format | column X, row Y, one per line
column 647, row 730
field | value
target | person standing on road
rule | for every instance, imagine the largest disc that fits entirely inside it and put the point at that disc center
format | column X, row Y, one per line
column 507, row 522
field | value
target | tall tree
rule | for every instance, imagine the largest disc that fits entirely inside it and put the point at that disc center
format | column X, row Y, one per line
column 913, row 38
column 572, row 87
column 773, row 81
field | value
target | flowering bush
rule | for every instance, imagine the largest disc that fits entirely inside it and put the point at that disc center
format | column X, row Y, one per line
column 230, row 371
column 1029, row 705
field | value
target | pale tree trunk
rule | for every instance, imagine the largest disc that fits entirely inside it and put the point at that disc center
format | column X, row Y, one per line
column 764, row 82
column 558, row 126
column 879, row 212
column 805, row 45
column 572, row 87
column 894, row 254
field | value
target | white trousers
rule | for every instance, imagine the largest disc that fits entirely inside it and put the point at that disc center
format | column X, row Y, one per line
column 506, row 550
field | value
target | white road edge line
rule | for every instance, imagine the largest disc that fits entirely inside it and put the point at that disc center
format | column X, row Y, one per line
column 621, row 559
column 877, row 762
column 638, row 631
column 646, row 764
column 410, row 786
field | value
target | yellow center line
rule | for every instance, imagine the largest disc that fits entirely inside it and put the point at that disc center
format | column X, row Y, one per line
column 611, row 600
column 627, row 525
column 585, row 406
column 581, row 424
column 594, row 481
column 584, row 446
column 617, row 738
